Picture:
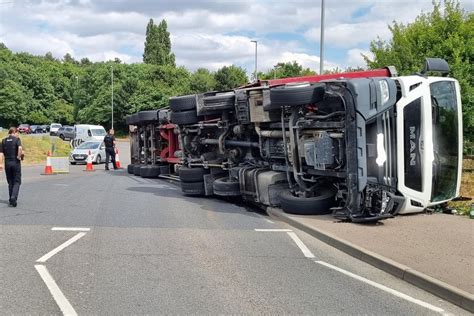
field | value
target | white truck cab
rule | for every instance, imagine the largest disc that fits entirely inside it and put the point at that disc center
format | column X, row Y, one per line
column 429, row 141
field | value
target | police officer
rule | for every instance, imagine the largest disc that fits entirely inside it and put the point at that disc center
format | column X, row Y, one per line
column 109, row 141
column 13, row 153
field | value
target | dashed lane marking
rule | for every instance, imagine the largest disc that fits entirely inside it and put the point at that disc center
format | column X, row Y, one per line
column 272, row 230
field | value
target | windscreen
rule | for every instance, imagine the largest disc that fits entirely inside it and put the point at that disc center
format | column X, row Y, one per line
column 89, row 145
column 98, row 132
column 445, row 140
column 55, row 126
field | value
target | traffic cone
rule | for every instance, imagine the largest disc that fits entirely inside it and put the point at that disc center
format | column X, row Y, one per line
column 117, row 159
column 48, row 169
column 89, row 166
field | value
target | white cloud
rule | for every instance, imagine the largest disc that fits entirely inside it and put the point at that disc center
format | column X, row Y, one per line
column 355, row 59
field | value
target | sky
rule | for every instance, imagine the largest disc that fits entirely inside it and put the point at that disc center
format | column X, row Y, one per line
column 208, row 34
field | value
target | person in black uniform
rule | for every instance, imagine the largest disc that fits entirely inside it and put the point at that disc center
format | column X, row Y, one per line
column 109, row 141
column 13, row 154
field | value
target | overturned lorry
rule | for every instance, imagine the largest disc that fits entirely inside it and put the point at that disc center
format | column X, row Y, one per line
column 363, row 145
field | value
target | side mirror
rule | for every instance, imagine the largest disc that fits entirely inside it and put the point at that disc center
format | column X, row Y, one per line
column 436, row 64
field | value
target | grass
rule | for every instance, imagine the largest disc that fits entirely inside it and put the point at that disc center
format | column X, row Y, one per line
column 467, row 188
column 36, row 148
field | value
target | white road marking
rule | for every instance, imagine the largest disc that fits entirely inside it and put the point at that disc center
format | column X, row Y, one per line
column 61, row 184
column 273, row 230
column 307, row 253
column 55, row 291
column 61, row 247
column 384, row 288
column 72, row 229
column 271, row 222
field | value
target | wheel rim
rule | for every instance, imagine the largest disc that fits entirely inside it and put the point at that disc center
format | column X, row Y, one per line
column 99, row 159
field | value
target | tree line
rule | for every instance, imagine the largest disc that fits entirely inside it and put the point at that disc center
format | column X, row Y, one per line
column 43, row 89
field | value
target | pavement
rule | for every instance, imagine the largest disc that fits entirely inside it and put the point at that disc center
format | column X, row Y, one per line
column 108, row 243
column 432, row 251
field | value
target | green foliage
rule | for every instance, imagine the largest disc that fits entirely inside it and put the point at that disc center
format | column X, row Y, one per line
column 447, row 34
column 230, row 77
column 158, row 45
column 286, row 70
column 202, row 80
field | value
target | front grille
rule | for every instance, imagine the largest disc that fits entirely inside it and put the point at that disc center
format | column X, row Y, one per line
column 79, row 157
column 388, row 125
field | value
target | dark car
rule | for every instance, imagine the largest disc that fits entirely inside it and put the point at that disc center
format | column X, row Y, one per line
column 24, row 129
column 34, row 129
column 66, row 132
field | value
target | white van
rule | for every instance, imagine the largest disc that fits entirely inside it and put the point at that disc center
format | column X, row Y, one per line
column 86, row 132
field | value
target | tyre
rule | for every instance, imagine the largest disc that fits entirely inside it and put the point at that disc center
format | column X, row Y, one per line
column 165, row 169
column 226, row 187
column 225, row 101
column 136, row 169
column 294, row 95
column 61, row 136
column 193, row 188
column 130, row 168
column 192, row 174
column 317, row 205
column 183, row 103
column 151, row 171
column 184, row 118
column 98, row 160
column 148, row 116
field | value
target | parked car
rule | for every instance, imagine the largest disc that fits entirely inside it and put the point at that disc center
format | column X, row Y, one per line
column 80, row 153
column 53, row 129
column 34, row 129
column 66, row 132
column 24, row 129
column 42, row 129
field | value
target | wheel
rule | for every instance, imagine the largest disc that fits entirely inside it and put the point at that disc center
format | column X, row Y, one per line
column 136, row 169
column 297, row 94
column 151, row 171
column 183, row 103
column 226, row 187
column 61, row 136
column 165, row 169
column 316, row 205
column 224, row 101
column 192, row 174
column 193, row 188
column 73, row 163
column 148, row 116
column 130, row 168
column 98, row 160
column 184, row 118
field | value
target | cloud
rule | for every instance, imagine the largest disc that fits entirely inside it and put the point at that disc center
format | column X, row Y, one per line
column 355, row 59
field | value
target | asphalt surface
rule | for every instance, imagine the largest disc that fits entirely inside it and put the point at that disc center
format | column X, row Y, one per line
column 150, row 250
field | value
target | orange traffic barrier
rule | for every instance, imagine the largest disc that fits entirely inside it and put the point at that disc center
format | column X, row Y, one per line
column 48, row 169
column 117, row 159
column 89, row 166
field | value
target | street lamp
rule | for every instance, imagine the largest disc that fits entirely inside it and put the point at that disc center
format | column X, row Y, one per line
column 321, row 47
column 112, row 80
column 255, row 74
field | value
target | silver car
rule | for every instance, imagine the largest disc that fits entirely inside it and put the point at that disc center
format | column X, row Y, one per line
column 80, row 153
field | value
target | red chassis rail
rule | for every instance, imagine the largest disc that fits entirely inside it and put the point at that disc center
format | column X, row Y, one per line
column 167, row 153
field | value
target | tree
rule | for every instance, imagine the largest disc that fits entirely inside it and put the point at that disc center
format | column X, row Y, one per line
column 202, row 80
column 158, row 45
column 448, row 34
column 286, row 70
column 230, row 77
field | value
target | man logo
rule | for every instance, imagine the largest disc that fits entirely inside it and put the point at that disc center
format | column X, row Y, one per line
column 412, row 146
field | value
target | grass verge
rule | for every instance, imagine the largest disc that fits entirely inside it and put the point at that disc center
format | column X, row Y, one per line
column 36, row 147
column 467, row 188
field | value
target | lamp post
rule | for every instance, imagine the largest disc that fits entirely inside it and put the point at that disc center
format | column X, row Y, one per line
column 112, row 101
column 321, row 47
column 255, row 73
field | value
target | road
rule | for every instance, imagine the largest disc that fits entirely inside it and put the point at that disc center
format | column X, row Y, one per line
column 142, row 248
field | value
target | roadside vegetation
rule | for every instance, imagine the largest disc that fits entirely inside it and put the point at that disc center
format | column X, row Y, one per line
column 36, row 148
